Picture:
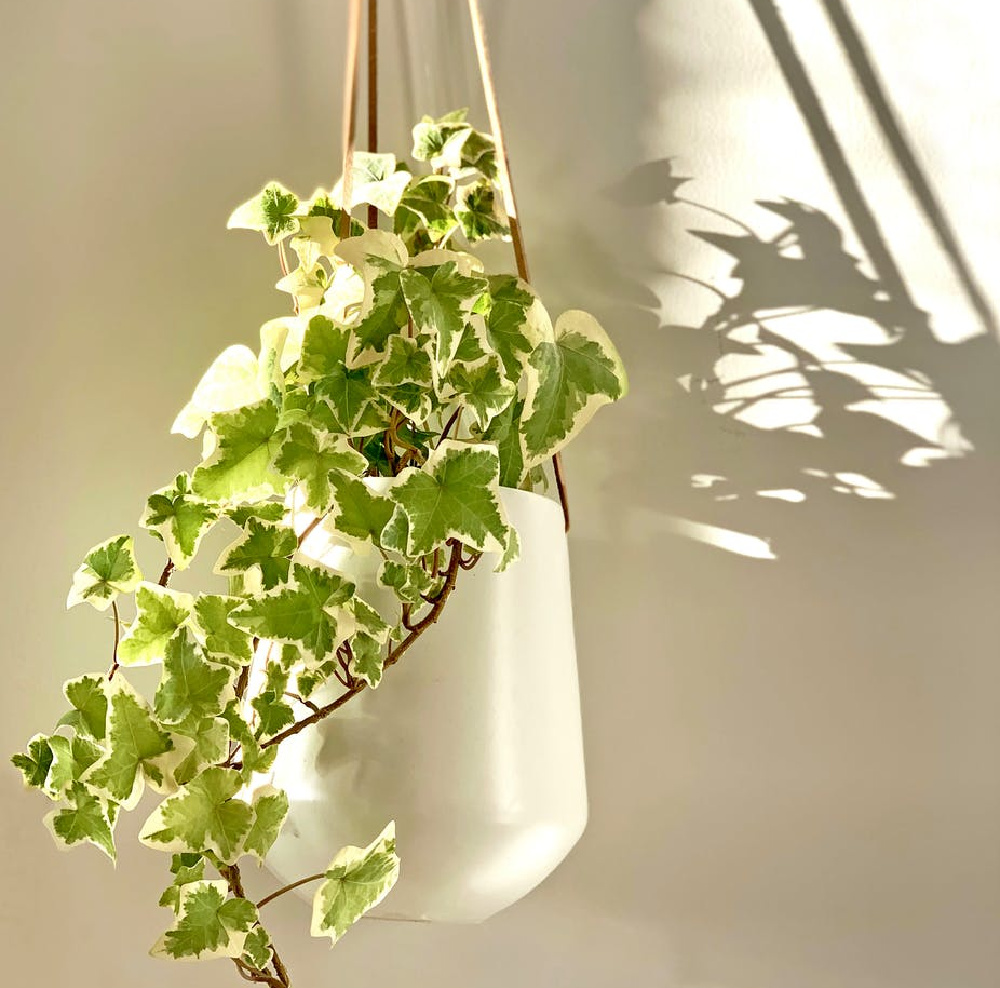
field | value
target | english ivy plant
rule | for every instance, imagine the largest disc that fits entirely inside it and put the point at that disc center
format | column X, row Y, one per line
column 383, row 416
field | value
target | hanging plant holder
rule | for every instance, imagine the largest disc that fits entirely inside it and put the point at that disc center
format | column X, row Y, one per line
column 393, row 657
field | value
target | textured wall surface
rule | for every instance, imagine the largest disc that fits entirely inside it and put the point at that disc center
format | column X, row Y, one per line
column 785, row 548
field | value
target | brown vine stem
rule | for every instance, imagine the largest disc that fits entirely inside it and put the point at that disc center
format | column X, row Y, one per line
column 166, row 574
column 118, row 638
column 395, row 654
column 288, row 888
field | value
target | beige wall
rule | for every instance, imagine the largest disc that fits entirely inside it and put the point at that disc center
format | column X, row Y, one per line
column 790, row 701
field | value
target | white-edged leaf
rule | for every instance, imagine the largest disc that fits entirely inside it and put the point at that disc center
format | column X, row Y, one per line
column 160, row 615
column 108, row 569
column 208, row 924
column 357, row 880
column 271, row 212
column 180, row 518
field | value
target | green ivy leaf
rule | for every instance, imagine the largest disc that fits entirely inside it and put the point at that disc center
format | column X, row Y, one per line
column 187, row 868
column 109, row 569
column 255, row 759
column 440, row 300
column 262, row 550
column 220, row 640
column 135, row 742
column 357, row 880
column 357, row 511
column 87, row 819
column 271, row 212
column 208, row 924
column 89, row 698
column 190, row 687
column 202, row 816
column 426, row 207
column 257, row 951
column 273, row 714
column 160, row 615
column 309, row 456
column 34, row 763
column 307, row 613
column 409, row 581
column 404, row 378
column 569, row 379
column 480, row 212
column 367, row 658
column 179, row 518
column 482, row 389
column 270, row 808
column 240, row 468
column 505, row 433
column 515, row 323
column 440, row 141
column 210, row 744
column 71, row 757
column 454, row 495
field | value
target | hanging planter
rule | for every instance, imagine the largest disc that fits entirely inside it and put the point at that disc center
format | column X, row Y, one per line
column 393, row 652
column 474, row 747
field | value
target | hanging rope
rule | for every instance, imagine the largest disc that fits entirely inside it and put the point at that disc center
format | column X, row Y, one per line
column 507, row 190
column 350, row 113
column 373, row 95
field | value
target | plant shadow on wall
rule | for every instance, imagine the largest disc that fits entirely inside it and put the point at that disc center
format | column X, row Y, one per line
column 806, row 381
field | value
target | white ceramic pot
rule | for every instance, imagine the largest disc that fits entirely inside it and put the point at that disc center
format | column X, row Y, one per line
column 472, row 744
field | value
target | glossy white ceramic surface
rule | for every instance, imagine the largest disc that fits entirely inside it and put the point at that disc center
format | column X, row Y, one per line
column 472, row 743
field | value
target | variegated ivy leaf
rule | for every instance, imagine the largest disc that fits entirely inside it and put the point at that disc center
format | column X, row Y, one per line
column 255, row 758
column 231, row 382
column 454, row 495
column 375, row 180
column 307, row 284
column 109, row 569
column 240, row 514
column 271, row 211
column 240, row 468
column 71, row 757
column 87, row 819
column 180, row 518
column 426, row 208
column 191, row 688
column 440, row 141
column 409, row 581
column 160, row 615
column 357, row 880
column 257, row 952
column 309, row 456
column 480, row 212
column 135, row 742
column 440, row 300
column 482, row 389
column 378, row 258
column 504, row 432
column 357, row 511
column 209, row 743
column 262, row 551
column 367, row 658
column 88, row 695
column 321, row 204
column 479, row 151
column 309, row 612
column 204, row 815
column 514, row 324
column 317, row 237
column 220, row 641
column 270, row 807
column 186, row 868
column 208, row 924
column 569, row 378
column 34, row 762
column 238, row 377
column 324, row 349
column 404, row 378
column 273, row 713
